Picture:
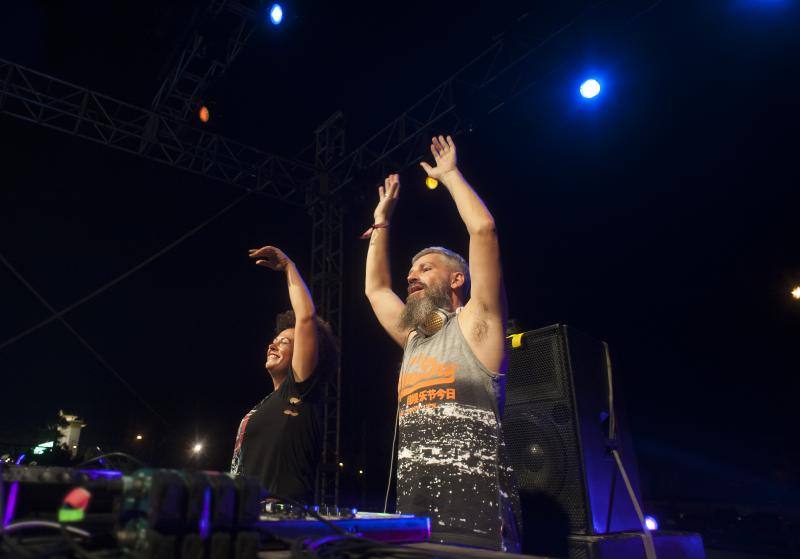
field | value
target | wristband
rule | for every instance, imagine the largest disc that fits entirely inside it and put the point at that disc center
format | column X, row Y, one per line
column 368, row 233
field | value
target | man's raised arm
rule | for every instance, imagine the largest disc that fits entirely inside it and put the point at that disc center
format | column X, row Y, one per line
column 483, row 317
column 378, row 284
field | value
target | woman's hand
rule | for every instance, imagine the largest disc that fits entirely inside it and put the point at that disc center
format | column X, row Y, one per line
column 270, row 257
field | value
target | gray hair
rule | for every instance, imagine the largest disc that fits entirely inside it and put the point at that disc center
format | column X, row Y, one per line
column 455, row 262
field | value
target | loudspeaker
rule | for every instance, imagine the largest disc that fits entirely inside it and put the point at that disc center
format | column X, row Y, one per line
column 556, row 421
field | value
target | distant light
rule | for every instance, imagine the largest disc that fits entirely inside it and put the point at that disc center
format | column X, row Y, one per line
column 590, row 88
column 42, row 447
column 341, row 464
column 139, row 437
column 197, row 448
column 204, row 114
column 796, row 292
column 276, row 14
column 74, row 446
column 650, row 522
column 361, row 472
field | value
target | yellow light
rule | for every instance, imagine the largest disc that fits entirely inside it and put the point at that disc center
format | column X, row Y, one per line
column 796, row 292
column 204, row 114
column 197, row 448
column 431, row 182
column 341, row 464
column 138, row 437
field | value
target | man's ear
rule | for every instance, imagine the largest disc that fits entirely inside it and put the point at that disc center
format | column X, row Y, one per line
column 456, row 279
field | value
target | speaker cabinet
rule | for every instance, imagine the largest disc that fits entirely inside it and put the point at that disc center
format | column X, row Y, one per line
column 556, row 423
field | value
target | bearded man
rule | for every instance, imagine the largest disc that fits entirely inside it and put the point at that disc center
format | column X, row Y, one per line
column 452, row 464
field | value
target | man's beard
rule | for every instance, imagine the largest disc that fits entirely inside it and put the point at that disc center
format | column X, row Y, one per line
column 418, row 307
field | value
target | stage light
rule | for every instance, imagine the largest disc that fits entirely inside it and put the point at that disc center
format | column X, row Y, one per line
column 276, row 14
column 204, row 114
column 590, row 88
column 197, row 448
column 650, row 522
column 361, row 472
column 796, row 292
column 139, row 437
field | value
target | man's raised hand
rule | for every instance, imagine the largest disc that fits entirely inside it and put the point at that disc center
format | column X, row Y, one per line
column 387, row 198
column 444, row 153
column 270, row 257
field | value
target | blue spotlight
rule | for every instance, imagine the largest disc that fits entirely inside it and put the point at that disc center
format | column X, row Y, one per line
column 590, row 88
column 276, row 14
column 651, row 523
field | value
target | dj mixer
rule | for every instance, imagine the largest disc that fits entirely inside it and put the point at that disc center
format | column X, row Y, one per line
column 168, row 514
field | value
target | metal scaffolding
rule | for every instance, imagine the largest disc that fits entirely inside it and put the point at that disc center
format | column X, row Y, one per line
column 477, row 89
column 327, row 238
column 36, row 97
column 215, row 42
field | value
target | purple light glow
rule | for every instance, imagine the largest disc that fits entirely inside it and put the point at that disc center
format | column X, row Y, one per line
column 11, row 504
column 428, row 528
column 105, row 474
column 204, row 525
column 651, row 523
column 20, row 458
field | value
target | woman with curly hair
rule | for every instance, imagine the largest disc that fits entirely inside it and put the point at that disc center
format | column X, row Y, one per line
column 279, row 440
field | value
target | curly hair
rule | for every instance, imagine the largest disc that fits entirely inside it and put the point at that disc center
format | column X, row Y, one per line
column 326, row 339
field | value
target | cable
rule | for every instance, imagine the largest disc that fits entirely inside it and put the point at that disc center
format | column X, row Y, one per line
column 66, row 532
column 87, row 345
column 110, row 455
column 27, row 525
column 73, row 545
column 105, row 287
column 391, row 457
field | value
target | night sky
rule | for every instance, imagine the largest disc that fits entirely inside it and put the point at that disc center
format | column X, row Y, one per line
column 661, row 217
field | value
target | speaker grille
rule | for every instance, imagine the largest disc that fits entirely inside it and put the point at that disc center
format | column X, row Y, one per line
column 547, row 464
column 540, row 432
column 540, row 365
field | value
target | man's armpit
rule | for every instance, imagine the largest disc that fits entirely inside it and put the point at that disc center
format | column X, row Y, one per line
column 480, row 327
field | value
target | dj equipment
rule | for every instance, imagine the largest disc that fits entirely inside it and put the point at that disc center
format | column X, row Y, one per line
column 390, row 528
column 556, row 426
column 171, row 514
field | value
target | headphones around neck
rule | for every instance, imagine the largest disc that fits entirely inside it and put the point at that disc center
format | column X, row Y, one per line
column 433, row 322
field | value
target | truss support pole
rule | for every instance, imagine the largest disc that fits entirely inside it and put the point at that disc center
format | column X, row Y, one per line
column 327, row 223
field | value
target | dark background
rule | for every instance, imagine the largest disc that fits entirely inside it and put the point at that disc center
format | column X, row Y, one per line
column 661, row 217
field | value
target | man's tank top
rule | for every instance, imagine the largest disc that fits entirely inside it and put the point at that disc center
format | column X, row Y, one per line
column 452, row 463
